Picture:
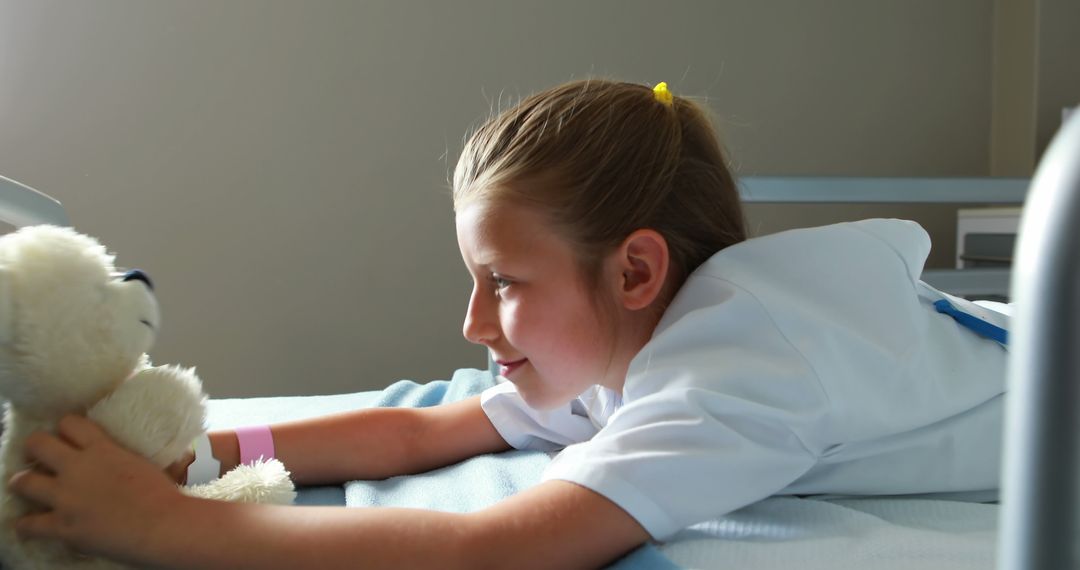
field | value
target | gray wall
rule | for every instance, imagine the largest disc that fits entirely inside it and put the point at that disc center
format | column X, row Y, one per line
column 280, row 168
column 1057, row 66
column 1036, row 72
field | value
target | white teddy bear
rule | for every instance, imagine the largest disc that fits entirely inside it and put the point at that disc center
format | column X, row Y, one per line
column 73, row 337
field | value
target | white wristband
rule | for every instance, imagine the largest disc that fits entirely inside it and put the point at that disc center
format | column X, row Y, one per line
column 206, row 467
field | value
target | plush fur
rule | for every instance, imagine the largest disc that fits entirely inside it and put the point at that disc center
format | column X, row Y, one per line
column 73, row 338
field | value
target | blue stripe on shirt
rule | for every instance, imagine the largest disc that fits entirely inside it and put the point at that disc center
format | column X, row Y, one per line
column 981, row 327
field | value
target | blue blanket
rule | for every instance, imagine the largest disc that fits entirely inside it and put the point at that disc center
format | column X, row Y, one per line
column 468, row 486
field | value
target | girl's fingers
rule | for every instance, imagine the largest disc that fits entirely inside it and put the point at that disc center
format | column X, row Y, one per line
column 79, row 431
column 47, row 450
column 36, row 525
column 34, row 486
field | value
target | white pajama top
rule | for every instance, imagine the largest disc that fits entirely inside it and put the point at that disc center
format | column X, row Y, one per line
column 810, row 361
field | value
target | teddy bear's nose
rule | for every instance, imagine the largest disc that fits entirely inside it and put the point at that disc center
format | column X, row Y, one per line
column 137, row 275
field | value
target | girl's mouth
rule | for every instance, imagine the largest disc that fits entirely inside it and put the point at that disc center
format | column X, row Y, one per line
column 507, row 368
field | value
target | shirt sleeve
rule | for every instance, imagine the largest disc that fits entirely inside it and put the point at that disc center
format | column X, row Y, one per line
column 673, row 471
column 525, row 428
column 720, row 408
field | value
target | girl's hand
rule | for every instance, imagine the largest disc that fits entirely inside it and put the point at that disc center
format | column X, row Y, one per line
column 98, row 497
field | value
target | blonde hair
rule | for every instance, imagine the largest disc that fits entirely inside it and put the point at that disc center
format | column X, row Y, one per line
column 604, row 159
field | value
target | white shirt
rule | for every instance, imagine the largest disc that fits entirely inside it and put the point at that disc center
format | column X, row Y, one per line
column 809, row 361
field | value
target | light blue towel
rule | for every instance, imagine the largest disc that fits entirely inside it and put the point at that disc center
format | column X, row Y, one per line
column 468, row 486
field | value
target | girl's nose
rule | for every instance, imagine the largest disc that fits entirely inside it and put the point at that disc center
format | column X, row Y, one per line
column 480, row 325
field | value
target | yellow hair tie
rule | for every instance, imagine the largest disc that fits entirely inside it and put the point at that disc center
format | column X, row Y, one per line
column 662, row 94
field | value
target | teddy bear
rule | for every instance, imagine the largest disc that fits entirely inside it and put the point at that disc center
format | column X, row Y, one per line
column 74, row 333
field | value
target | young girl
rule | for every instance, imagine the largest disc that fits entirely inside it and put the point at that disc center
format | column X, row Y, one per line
column 685, row 371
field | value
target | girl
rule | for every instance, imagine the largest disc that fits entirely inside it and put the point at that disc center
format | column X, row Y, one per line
column 685, row 371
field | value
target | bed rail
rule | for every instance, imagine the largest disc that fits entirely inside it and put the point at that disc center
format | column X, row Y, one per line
column 21, row 205
column 967, row 282
column 1041, row 468
column 832, row 190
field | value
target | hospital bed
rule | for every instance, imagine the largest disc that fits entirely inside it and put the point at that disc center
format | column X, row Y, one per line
column 1037, row 522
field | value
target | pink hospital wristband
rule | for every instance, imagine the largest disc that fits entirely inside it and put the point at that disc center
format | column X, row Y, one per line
column 256, row 442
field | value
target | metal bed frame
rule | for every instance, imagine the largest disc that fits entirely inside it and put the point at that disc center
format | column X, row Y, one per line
column 1040, row 492
column 1040, row 516
column 21, row 205
column 974, row 282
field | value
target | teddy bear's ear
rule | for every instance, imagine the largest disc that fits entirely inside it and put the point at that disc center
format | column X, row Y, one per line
column 6, row 316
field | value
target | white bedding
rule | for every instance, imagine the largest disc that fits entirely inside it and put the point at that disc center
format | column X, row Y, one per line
column 865, row 533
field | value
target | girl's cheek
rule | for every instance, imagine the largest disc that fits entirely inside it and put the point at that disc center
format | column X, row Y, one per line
column 509, row 321
column 512, row 313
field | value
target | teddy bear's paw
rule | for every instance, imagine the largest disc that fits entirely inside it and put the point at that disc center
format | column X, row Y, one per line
column 261, row 482
column 157, row 413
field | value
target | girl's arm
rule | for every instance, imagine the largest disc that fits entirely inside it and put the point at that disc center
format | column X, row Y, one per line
column 374, row 443
column 104, row 500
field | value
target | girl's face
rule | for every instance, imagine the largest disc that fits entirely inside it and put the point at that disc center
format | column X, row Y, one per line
column 530, row 308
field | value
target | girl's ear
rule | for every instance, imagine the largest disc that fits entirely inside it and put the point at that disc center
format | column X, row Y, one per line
column 642, row 260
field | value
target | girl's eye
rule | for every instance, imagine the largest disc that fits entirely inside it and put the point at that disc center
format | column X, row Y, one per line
column 500, row 284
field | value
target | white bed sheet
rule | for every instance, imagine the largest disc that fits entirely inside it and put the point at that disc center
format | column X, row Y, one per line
column 867, row 533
